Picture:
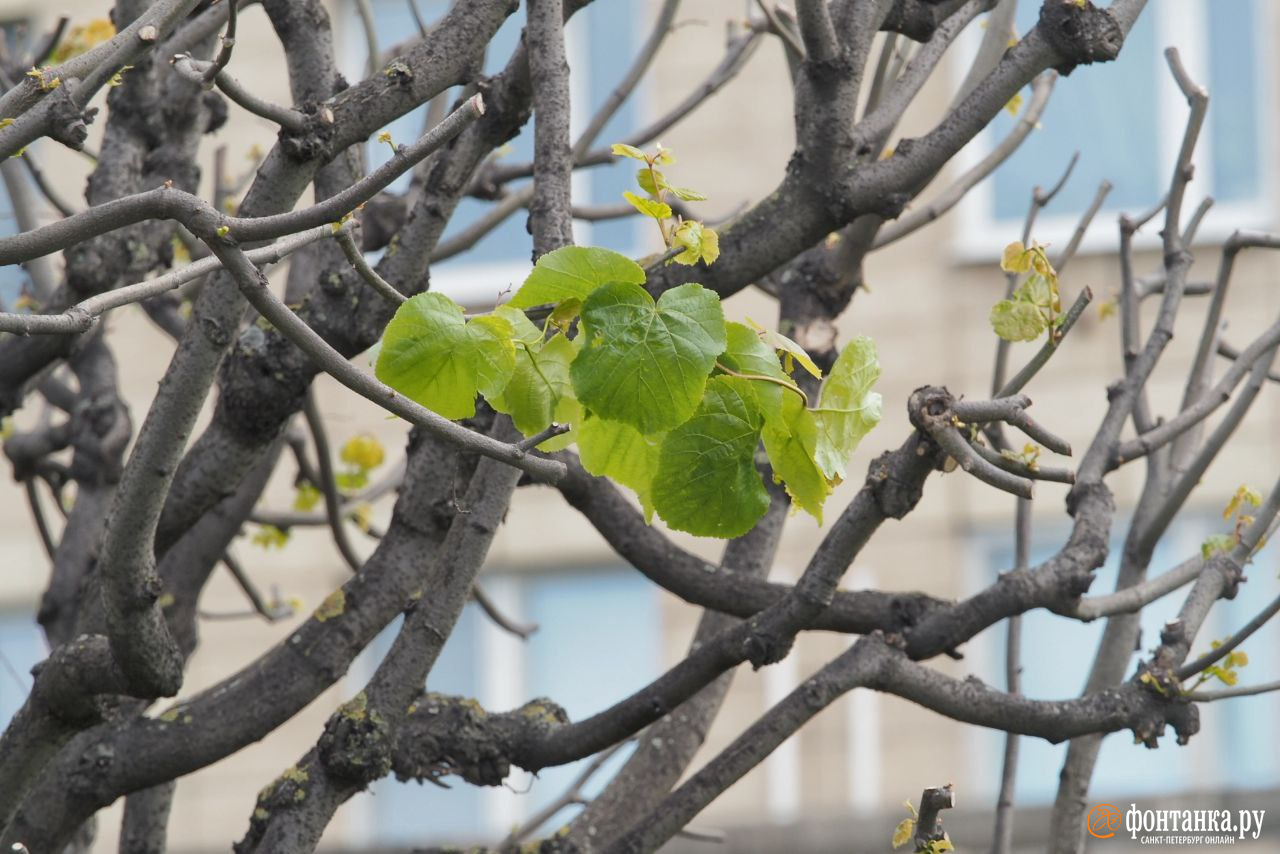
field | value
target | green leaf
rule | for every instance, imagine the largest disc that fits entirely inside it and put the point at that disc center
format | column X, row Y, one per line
column 791, row 442
column 573, row 272
column 745, row 353
column 1217, row 544
column 306, row 497
column 540, row 381
column 1017, row 320
column 903, row 832
column 1040, row 291
column 645, row 178
column 847, row 407
column 785, row 345
column 617, row 450
column 684, row 194
column 707, row 483
column 621, row 149
column 700, row 243
column 1016, row 258
column 646, row 363
column 432, row 355
column 648, row 207
column 523, row 330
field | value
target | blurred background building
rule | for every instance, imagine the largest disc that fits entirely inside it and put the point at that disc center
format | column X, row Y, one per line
column 604, row 630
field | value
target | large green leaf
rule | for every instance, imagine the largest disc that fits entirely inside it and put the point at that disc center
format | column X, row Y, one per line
column 432, row 354
column 573, row 272
column 646, row 363
column 707, row 483
column 791, row 442
column 617, row 450
column 847, row 408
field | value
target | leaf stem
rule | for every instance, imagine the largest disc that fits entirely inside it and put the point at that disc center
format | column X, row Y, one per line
column 766, row 378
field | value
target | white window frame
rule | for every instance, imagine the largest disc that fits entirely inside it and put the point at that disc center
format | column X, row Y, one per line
column 478, row 285
column 978, row 237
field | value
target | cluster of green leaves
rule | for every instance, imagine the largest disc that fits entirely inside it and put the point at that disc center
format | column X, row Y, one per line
column 1244, row 498
column 906, row 829
column 1035, row 304
column 697, row 241
column 1225, row 671
column 667, row 398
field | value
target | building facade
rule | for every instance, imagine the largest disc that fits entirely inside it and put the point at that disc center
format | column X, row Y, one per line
column 845, row 775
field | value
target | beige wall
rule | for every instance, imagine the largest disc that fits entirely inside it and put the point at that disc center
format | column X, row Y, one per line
column 927, row 313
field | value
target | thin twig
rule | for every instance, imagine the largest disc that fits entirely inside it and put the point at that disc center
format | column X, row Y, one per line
column 1221, row 650
column 950, row 440
column 80, row 317
column 501, row 620
column 42, row 522
column 271, row 613
column 370, row 275
column 1238, row 691
column 196, row 70
column 789, row 39
column 228, row 42
column 328, row 486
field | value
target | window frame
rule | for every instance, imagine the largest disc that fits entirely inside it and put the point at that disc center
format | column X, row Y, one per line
column 977, row 236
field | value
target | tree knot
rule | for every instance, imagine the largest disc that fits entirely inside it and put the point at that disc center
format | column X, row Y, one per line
column 1080, row 33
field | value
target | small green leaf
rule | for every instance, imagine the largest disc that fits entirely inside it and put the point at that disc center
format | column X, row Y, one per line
column 783, row 344
column 573, row 272
column 540, row 380
column 847, row 407
column 1244, row 494
column 564, row 313
column 791, row 443
column 700, row 243
column 1016, row 258
column 707, row 483
column 621, row 149
column 617, row 450
column 646, row 363
column 1018, row 320
column 645, row 178
column 306, row 497
column 1217, row 544
column 363, row 451
column 523, row 330
column 903, row 832
column 684, row 194
column 270, row 537
column 648, row 207
column 432, row 355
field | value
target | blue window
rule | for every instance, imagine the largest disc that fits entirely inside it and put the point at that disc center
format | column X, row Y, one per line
column 1126, row 119
column 599, row 41
column 12, row 277
column 1057, row 653
column 598, row 641
column 21, row 648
